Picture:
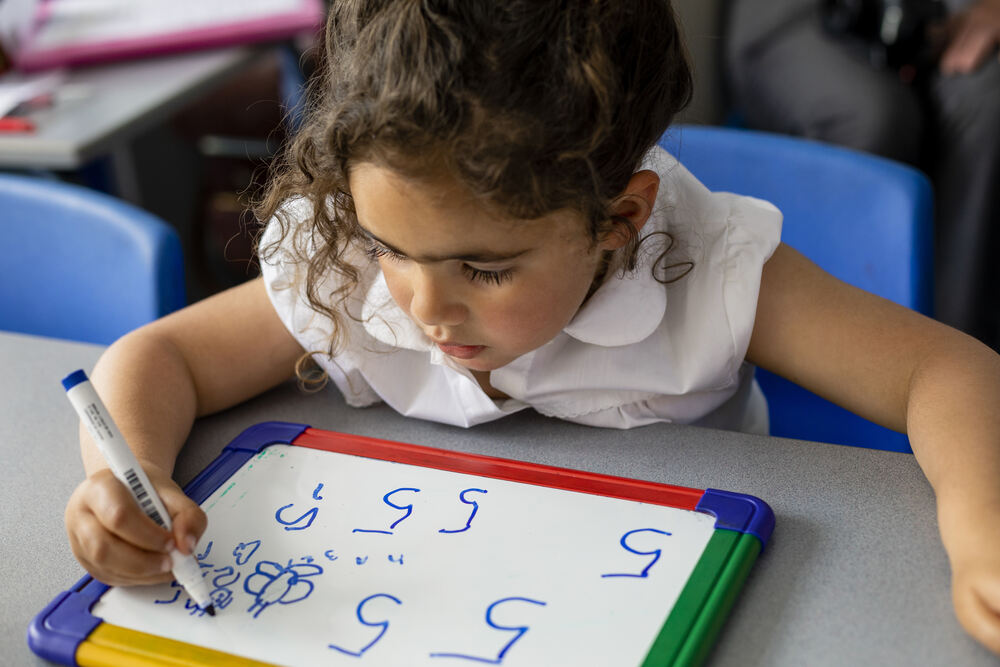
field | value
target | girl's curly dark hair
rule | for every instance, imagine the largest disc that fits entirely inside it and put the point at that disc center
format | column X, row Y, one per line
column 532, row 105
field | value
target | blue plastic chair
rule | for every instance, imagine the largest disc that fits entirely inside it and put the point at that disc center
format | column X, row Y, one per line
column 82, row 265
column 292, row 86
column 864, row 219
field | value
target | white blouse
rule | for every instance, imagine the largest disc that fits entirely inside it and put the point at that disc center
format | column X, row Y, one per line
column 636, row 353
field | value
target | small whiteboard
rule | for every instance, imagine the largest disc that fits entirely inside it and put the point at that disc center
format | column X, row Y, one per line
column 333, row 549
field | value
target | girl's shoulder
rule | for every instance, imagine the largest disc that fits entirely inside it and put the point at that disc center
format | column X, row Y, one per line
column 707, row 228
column 725, row 238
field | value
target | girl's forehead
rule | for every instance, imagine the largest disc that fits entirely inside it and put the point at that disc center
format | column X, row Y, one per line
column 391, row 205
column 432, row 189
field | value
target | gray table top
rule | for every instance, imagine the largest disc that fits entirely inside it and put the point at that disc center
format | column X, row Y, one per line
column 854, row 573
column 114, row 103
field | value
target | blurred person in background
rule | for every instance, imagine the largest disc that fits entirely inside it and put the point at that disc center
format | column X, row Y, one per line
column 912, row 80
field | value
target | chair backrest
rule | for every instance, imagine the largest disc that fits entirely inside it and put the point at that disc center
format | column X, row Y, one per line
column 292, row 86
column 864, row 219
column 82, row 265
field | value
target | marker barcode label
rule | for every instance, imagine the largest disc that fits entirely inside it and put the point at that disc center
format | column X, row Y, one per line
column 145, row 502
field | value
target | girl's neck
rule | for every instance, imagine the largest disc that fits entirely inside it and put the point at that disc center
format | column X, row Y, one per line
column 483, row 378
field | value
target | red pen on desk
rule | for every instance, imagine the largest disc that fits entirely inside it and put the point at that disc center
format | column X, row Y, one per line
column 16, row 124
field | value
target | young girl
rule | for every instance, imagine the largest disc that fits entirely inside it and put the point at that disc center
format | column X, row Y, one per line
column 475, row 220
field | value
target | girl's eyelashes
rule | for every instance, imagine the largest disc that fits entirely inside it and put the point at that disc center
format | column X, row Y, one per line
column 376, row 251
column 487, row 277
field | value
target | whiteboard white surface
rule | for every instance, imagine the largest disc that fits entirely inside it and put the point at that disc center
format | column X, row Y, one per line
column 462, row 569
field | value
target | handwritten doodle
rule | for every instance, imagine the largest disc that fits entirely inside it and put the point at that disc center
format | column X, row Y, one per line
column 177, row 594
column 380, row 624
column 221, row 595
column 316, row 495
column 655, row 553
column 475, row 508
column 396, row 560
column 202, row 558
column 208, row 550
column 360, row 561
column 330, row 555
column 220, row 575
column 308, row 518
column 192, row 608
column 244, row 551
column 272, row 583
column 518, row 630
column 385, row 499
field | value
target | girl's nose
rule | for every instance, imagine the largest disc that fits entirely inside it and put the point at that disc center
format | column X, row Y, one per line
column 434, row 303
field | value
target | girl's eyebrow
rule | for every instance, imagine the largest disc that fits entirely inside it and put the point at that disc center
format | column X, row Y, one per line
column 477, row 257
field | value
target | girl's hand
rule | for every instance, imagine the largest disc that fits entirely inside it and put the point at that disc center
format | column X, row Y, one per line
column 114, row 539
column 973, row 543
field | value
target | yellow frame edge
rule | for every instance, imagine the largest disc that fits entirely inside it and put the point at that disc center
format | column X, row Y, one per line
column 114, row 645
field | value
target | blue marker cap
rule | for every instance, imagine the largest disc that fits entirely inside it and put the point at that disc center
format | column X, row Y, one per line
column 73, row 379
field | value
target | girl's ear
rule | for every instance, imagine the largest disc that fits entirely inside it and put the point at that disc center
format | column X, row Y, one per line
column 634, row 204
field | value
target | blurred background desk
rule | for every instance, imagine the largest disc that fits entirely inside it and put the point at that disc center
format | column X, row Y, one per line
column 134, row 129
column 854, row 573
column 112, row 104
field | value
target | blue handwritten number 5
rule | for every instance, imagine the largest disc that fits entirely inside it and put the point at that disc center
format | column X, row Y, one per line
column 520, row 630
column 383, row 624
column 475, row 508
column 385, row 499
column 655, row 553
column 306, row 519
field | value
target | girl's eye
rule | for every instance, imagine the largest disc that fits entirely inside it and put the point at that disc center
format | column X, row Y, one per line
column 487, row 277
column 377, row 251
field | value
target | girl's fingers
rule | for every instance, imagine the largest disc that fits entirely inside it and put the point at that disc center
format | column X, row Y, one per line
column 117, row 511
column 114, row 539
column 113, row 560
column 189, row 521
column 189, row 524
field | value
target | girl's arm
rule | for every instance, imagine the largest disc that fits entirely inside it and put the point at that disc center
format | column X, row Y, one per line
column 155, row 381
column 910, row 373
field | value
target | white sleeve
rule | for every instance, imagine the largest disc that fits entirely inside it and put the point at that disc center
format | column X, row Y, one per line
column 753, row 232
column 284, row 275
column 711, row 310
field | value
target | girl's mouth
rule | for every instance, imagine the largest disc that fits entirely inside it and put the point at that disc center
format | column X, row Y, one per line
column 461, row 351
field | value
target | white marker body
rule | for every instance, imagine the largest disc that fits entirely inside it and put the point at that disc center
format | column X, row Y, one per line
column 129, row 472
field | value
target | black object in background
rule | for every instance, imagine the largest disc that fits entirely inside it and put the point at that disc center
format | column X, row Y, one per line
column 898, row 34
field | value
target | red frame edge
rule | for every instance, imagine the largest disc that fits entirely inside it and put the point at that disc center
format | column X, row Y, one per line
column 567, row 479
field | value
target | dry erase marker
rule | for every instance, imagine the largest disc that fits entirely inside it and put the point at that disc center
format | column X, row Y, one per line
column 126, row 468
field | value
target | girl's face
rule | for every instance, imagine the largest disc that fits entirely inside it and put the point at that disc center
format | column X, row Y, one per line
column 485, row 289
